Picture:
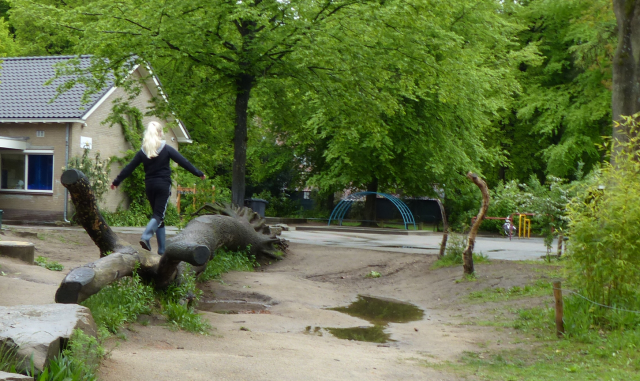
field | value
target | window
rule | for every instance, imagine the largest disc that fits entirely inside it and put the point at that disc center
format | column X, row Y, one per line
column 30, row 172
column 306, row 195
column 39, row 134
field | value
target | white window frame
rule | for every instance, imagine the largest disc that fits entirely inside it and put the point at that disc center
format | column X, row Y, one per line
column 26, row 154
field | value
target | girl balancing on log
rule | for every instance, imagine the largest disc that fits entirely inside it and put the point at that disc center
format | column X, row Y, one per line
column 155, row 156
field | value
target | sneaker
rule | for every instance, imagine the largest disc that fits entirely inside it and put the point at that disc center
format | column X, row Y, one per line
column 145, row 244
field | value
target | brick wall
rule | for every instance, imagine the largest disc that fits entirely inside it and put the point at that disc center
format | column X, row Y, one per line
column 23, row 205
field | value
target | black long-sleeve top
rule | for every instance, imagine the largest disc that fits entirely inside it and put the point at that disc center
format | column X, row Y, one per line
column 157, row 168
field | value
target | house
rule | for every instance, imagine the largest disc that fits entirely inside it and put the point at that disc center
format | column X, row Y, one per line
column 38, row 136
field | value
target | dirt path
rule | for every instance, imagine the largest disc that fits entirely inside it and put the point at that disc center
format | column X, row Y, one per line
column 283, row 343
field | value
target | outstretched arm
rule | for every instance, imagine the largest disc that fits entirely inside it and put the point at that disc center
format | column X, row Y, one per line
column 184, row 163
column 128, row 169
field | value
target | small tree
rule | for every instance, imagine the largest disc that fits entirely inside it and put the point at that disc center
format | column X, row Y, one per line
column 96, row 169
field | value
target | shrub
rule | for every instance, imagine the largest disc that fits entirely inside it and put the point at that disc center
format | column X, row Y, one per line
column 604, row 257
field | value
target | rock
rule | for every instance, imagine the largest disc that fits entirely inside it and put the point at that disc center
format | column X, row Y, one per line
column 4, row 376
column 284, row 227
column 42, row 331
column 274, row 231
column 23, row 251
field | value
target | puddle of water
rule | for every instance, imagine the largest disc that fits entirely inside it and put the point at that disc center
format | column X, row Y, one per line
column 378, row 311
column 381, row 311
column 410, row 247
column 375, row 334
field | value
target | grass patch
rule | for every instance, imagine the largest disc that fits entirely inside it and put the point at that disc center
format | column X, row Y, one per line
column 592, row 355
column 49, row 264
column 538, row 288
column 610, row 357
column 225, row 261
column 121, row 302
column 8, row 360
column 373, row 274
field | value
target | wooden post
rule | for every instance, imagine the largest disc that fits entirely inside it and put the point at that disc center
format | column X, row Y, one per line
column 557, row 294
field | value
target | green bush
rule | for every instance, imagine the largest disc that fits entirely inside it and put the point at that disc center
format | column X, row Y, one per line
column 604, row 257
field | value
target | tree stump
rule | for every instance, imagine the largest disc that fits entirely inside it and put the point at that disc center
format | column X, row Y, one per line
column 23, row 251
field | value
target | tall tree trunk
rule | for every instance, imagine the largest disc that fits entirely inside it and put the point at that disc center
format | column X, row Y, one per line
column 626, row 63
column 370, row 205
column 330, row 201
column 244, row 85
column 467, row 255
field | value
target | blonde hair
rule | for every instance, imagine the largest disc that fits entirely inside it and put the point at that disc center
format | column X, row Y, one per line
column 152, row 139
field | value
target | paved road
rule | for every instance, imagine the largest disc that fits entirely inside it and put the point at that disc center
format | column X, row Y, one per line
column 493, row 247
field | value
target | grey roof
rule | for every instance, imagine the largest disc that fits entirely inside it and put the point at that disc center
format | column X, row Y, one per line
column 23, row 94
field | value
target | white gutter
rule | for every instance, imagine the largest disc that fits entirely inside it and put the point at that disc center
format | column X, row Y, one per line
column 42, row 120
column 13, row 143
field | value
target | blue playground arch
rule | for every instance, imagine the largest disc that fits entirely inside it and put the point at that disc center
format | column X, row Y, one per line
column 345, row 204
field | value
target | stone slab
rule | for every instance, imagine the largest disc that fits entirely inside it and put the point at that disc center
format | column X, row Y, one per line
column 41, row 331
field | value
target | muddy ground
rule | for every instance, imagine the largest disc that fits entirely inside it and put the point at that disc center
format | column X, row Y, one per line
column 273, row 321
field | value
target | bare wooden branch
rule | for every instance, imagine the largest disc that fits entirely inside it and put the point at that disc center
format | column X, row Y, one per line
column 467, row 255
column 445, row 228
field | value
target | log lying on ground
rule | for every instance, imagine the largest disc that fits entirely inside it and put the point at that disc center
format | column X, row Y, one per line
column 467, row 254
column 232, row 227
column 236, row 228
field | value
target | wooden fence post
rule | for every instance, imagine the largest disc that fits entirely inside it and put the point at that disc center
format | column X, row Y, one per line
column 557, row 294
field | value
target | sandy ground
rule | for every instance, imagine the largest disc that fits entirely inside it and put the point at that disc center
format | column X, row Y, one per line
column 276, row 344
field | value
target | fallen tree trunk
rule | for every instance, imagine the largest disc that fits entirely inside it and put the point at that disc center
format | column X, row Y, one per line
column 233, row 227
column 467, row 254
